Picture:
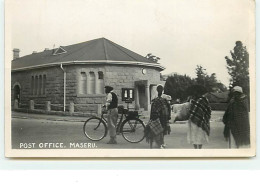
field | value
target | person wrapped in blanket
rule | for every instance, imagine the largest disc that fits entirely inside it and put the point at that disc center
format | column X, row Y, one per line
column 236, row 120
column 199, row 119
column 161, row 111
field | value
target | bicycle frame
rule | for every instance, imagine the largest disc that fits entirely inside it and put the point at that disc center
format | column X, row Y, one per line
column 127, row 123
column 119, row 124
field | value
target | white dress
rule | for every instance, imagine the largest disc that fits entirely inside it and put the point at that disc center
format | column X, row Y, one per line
column 196, row 135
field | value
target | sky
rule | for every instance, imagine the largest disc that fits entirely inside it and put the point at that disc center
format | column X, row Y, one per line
column 183, row 33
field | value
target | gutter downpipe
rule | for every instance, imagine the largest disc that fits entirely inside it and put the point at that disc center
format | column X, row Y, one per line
column 64, row 93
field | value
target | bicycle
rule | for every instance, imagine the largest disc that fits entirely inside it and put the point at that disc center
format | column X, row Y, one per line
column 131, row 128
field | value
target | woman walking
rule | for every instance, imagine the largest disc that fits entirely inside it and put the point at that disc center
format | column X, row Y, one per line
column 199, row 119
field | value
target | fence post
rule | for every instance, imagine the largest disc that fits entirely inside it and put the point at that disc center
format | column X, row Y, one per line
column 71, row 109
column 31, row 105
column 48, row 106
column 16, row 104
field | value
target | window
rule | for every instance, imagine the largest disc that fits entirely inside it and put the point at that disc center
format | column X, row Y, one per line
column 40, row 85
column 36, row 85
column 100, row 83
column 83, row 83
column 32, row 85
column 128, row 94
column 44, row 84
column 92, row 83
column 100, row 75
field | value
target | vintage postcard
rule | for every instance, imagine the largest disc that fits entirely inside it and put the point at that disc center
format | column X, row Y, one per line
column 172, row 78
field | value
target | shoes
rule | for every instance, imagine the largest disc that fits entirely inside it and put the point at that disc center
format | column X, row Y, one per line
column 112, row 141
column 163, row 146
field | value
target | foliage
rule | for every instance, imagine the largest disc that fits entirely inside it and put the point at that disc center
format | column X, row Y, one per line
column 238, row 67
column 176, row 86
column 152, row 57
column 209, row 81
column 201, row 75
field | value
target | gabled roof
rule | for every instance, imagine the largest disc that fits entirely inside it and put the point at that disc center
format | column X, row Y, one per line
column 98, row 49
column 59, row 51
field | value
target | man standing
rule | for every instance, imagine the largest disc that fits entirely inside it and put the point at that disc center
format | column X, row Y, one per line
column 236, row 119
column 111, row 105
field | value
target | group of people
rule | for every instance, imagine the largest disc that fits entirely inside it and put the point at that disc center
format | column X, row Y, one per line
column 236, row 118
column 198, row 123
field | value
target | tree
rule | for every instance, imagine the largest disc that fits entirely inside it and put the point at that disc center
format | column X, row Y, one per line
column 201, row 75
column 210, row 82
column 152, row 57
column 238, row 67
column 176, row 86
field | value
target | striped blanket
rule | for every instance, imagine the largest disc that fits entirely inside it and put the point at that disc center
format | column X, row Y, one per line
column 200, row 113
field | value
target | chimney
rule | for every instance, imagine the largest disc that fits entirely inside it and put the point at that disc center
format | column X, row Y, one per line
column 16, row 53
column 46, row 49
column 34, row 52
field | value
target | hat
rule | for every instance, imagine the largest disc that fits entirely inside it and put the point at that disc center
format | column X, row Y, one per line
column 109, row 88
column 237, row 89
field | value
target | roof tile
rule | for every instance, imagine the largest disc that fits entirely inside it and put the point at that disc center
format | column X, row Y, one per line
column 98, row 49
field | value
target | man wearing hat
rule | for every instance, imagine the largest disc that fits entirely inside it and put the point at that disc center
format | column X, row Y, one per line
column 236, row 119
column 111, row 105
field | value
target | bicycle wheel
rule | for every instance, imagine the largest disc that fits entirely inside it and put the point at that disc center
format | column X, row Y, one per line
column 133, row 130
column 95, row 129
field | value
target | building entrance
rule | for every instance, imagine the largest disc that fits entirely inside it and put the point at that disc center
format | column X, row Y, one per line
column 142, row 98
column 17, row 93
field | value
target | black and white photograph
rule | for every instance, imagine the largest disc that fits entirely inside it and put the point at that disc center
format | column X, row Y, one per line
column 130, row 78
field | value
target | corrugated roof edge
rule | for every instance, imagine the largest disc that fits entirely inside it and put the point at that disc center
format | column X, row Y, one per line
column 154, row 65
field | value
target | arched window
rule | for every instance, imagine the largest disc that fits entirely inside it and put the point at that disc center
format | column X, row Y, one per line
column 83, row 83
column 92, row 83
column 32, row 85
column 40, row 84
column 44, row 84
column 100, row 75
column 36, row 85
column 100, row 83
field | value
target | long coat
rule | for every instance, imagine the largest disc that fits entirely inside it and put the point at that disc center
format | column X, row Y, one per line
column 236, row 118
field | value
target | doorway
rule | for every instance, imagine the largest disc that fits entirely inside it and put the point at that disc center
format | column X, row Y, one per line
column 153, row 92
column 17, row 93
column 141, row 95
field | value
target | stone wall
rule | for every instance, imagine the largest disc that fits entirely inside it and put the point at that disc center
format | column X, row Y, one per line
column 118, row 77
column 125, row 76
column 114, row 75
column 53, row 86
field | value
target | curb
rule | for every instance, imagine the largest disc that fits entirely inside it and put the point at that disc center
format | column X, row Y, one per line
column 50, row 119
